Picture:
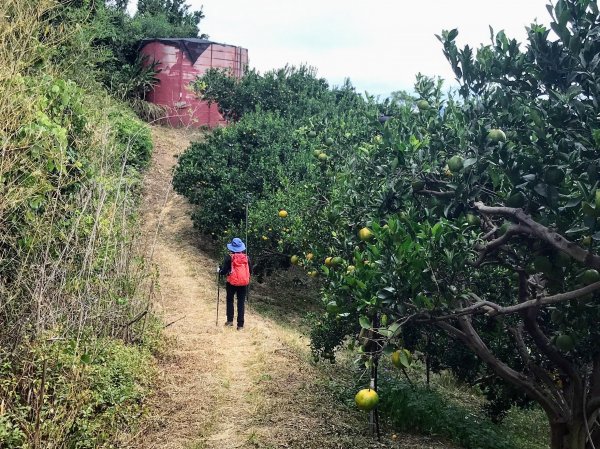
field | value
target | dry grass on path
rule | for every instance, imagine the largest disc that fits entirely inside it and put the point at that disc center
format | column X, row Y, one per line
column 222, row 388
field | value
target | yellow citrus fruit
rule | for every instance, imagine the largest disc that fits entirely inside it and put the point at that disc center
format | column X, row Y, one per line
column 283, row 213
column 294, row 260
column 365, row 234
column 366, row 399
column 309, row 256
column 328, row 261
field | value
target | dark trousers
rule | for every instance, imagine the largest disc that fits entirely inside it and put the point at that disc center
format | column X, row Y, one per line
column 241, row 298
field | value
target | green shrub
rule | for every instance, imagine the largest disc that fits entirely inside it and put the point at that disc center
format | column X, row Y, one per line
column 423, row 410
column 93, row 392
column 133, row 136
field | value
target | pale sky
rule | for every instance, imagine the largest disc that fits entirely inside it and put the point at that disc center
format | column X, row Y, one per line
column 380, row 46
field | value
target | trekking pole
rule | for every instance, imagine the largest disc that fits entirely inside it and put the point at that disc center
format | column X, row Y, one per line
column 247, row 245
column 218, row 291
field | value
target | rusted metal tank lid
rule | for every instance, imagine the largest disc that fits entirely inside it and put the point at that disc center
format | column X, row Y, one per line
column 194, row 47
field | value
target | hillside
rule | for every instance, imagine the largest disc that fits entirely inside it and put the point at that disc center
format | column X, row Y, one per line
column 220, row 388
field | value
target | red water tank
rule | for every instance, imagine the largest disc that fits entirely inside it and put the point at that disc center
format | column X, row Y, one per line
column 180, row 62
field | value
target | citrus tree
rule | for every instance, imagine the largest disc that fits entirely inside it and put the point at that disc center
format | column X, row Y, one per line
column 288, row 130
column 483, row 224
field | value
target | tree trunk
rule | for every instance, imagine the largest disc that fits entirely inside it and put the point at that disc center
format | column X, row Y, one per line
column 570, row 435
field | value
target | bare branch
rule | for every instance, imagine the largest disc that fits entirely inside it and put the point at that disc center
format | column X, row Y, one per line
column 593, row 403
column 550, row 351
column 493, row 309
column 497, row 243
column 542, row 232
column 473, row 341
column 536, row 369
column 446, row 194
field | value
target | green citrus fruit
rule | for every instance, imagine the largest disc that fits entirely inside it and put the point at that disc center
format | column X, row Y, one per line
column 554, row 176
column 329, row 141
column 396, row 357
column 322, row 156
column 316, row 153
column 337, row 261
column 473, row 220
column 516, row 200
column 423, row 105
column 502, row 229
column 366, row 399
column 590, row 276
column 565, row 342
column 497, row 135
column 294, row 260
column 332, row 307
column 455, row 164
column 312, row 134
column 418, row 185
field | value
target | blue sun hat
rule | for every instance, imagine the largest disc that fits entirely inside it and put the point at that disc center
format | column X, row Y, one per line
column 236, row 246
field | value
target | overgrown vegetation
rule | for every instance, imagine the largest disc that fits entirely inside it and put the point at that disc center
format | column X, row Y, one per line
column 76, row 332
column 466, row 218
column 104, row 47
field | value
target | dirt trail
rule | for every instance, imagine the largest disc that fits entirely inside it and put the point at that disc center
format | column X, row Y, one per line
column 219, row 387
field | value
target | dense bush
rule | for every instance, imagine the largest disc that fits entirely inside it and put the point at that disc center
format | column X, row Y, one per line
column 424, row 410
column 69, row 188
column 133, row 137
column 268, row 158
column 86, row 394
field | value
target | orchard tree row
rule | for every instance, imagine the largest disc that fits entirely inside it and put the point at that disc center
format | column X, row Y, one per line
column 470, row 216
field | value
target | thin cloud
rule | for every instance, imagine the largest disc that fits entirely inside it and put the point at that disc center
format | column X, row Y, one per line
column 379, row 46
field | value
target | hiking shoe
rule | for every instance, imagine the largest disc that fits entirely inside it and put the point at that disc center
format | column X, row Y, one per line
column 228, row 323
column 240, row 328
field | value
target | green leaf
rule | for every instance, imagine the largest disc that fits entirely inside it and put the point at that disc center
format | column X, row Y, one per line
column 394, row 328
column 365, row 323
column 386, row 293
column 405, row 358
column 577, row 229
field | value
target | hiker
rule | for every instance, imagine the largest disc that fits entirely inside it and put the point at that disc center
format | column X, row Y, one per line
column 236, row 267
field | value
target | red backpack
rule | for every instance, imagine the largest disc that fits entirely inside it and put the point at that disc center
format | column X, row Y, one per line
column 240, row 271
